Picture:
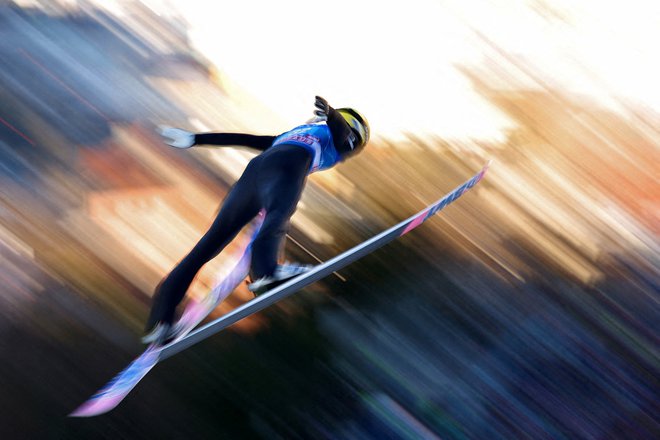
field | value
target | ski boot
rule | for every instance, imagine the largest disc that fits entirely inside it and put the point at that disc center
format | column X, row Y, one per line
column 160, row 334
column 283, row 273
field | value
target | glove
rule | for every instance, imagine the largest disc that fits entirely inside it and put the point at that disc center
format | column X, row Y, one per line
column 177, row 137
column 322, row 109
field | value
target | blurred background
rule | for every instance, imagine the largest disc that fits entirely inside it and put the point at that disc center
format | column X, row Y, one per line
column 528, row 309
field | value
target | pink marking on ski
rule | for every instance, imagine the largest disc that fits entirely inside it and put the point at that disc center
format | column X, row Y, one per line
column 112, row 394
column 416, row 222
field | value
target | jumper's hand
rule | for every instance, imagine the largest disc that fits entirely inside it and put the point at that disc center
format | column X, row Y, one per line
column 322, row 109
column 177, row 137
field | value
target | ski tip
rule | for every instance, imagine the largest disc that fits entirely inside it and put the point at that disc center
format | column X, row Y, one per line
column 483, row 171
column 90, row 409
column 102, row 402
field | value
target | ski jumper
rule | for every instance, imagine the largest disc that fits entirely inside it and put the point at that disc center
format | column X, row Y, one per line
column 272, row 181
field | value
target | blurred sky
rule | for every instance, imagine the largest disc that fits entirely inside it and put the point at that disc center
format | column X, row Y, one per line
column 396, row 61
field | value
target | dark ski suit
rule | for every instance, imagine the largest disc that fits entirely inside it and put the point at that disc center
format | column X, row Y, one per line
column 272, row 181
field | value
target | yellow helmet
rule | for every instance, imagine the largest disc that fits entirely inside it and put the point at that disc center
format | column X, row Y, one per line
column 359, row 125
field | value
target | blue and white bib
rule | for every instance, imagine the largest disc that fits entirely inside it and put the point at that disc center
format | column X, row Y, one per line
column 317, row 139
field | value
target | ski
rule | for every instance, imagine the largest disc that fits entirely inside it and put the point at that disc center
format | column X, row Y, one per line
column 113, row 393
column 108, row 397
